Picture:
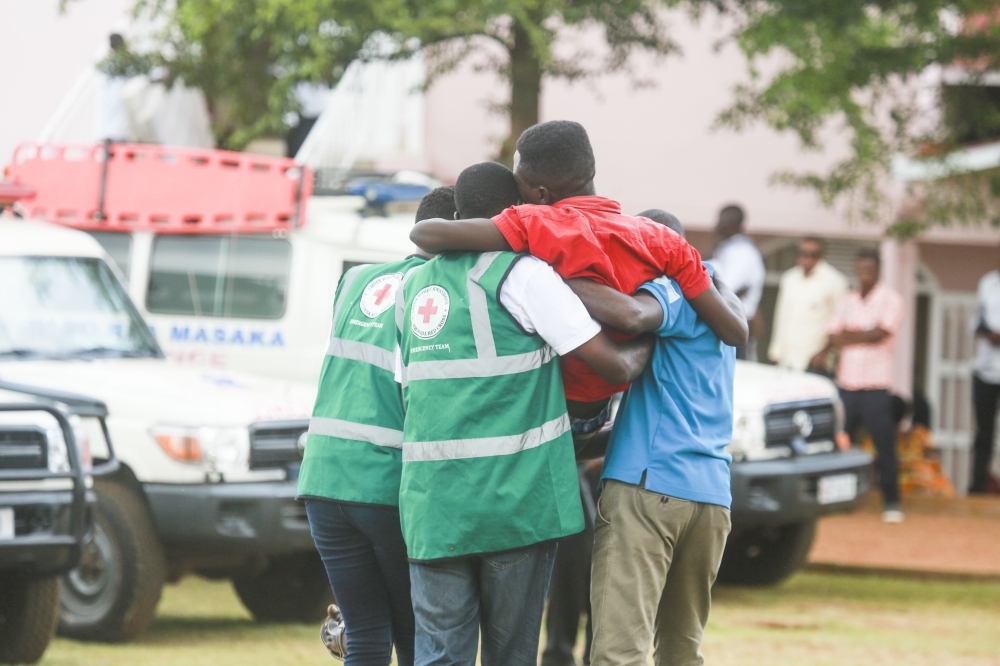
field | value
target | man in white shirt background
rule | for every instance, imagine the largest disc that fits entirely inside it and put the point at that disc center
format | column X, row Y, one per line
column 986, row 377
column 808, row 295
column 738, row 263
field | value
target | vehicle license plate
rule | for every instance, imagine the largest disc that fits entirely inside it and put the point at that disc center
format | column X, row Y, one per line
column 837, row 488
column 6, row 523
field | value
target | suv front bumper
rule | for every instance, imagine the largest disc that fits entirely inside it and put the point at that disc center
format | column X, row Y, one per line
column 45, row 543
column 237, row 518
column 776, row 492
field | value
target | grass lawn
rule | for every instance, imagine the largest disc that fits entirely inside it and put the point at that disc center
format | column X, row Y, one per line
column 813, row 619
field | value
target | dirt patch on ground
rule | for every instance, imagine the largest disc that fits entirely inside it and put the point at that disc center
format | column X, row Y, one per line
column 950, row 536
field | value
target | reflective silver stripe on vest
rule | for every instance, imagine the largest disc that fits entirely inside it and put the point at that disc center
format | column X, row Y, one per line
column 482, row 331
column 480, row 367
column 362, row 351
column 483, row 447
column 401, row 317
column 346, row 283
column 357, row 431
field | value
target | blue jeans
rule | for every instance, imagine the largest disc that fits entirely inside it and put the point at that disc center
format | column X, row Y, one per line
column 365, row 557
column 502, row 594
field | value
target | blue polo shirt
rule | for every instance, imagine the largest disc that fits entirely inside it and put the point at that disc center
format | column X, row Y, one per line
column 676, row 420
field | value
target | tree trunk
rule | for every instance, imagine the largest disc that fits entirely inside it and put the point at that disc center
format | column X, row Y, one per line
column 525, row 91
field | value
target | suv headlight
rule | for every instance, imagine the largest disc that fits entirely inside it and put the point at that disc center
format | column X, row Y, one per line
column 748, row 436
column 221, row 449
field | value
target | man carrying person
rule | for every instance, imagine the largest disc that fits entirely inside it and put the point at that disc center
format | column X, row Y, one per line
column 663, row 516
column 580, row 234
column 808, row 295
column 353, row 460
column 864, row 330
column 489, row 477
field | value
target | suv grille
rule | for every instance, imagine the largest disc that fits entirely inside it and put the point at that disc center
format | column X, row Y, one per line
column 23, row 449
column 275, row 445
column 812, row 425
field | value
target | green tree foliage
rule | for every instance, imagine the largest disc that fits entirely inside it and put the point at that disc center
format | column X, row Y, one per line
column 245, row 55
column 248, row 55
column 822, row 66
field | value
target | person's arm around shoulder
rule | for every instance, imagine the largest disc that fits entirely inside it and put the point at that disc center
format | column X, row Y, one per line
column 723, row 313
column 541, row 302
column 474, row 235
column 629, row 314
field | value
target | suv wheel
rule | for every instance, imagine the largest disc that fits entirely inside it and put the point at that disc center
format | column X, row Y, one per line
column 293, row 588
column 766, row 555
column 29, row 609
column 112, row 594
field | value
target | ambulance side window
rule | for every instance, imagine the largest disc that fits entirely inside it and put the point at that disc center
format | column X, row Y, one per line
column 118, row 245
column 236, row 276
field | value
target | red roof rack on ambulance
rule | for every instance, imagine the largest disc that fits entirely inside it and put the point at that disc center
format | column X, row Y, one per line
column 164, row 189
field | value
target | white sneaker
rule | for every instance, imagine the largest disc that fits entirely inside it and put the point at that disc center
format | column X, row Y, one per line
column 893, row 516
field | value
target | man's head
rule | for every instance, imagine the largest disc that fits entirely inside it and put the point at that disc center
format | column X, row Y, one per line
column 439, row 202
column 730, row 222
column 116, row 41
column 554, row 161
column 868, row 266
column 485, row 190
column 811, row 249
column 668, row 220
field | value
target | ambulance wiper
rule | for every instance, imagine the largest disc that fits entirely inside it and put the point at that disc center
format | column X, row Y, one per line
column 22, row 353
column 110, row 352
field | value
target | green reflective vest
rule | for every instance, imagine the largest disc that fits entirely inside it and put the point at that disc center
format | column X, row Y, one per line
column 353, row 450
column 488, row 461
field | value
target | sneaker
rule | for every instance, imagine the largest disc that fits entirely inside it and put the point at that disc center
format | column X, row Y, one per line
column 333, row 635
column 893, row 515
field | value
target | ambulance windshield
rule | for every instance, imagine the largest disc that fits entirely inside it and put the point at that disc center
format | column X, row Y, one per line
column 67, row 308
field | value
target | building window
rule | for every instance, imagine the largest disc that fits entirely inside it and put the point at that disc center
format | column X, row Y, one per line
column 118, row 245
column 971, row 112
column 243, row 277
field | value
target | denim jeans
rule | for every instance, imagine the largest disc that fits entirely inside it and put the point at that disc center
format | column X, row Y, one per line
column 501, row 594
column 365, row 557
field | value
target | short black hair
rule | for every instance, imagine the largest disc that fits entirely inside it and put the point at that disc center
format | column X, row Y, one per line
column 734, row 213
column 872, row 254
column 485, row 190
column 816, row 240
column 557, row 155
column 439, row 202
column 669, row 220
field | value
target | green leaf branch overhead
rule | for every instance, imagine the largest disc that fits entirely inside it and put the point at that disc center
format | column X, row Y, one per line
column 824, row 70
column 820, row 68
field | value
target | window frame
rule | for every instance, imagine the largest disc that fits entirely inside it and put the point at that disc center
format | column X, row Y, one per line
column 222, row 237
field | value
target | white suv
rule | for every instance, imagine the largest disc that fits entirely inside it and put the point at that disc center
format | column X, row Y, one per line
column 209, row 458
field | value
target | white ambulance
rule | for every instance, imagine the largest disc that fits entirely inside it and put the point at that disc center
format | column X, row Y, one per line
column 209, row 458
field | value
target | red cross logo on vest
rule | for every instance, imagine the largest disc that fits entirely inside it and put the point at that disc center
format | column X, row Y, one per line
column 429, row 311
column 380, row 294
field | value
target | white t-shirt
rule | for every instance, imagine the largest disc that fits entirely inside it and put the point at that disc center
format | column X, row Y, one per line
column 542, row 303
column 986, row 365
column 738, row 263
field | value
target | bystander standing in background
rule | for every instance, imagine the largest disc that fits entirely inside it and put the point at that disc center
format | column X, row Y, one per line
column 986, row 377
column 864, row 330
column 808, row 295
column 738, row 262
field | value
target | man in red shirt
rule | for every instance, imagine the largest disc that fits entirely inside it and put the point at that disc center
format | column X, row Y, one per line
column 566, row 224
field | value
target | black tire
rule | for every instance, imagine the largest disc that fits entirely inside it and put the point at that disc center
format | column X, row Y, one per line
column 29, row 610
column 767, row 555
column 112, row 594
column 293, row 588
